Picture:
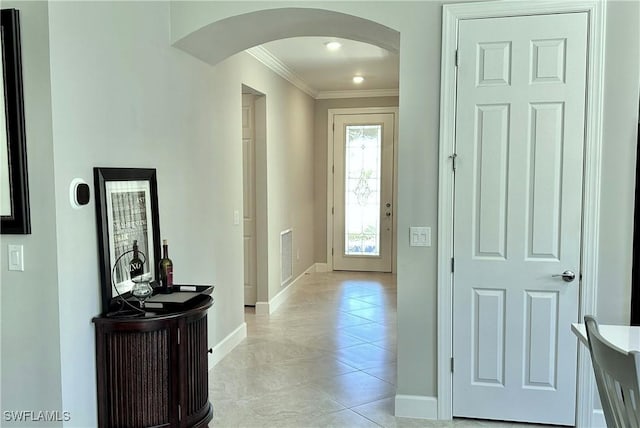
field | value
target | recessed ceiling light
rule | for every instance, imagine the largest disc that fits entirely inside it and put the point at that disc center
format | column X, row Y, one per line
column 358, row 79
column 333, row 46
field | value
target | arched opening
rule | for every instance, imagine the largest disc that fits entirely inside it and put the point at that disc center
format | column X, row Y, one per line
column 221, row 39
column 218, row 42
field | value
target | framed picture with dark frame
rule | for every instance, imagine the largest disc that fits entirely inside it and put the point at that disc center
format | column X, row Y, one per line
column 635, row 267
column 126, row 211
column 14, row 191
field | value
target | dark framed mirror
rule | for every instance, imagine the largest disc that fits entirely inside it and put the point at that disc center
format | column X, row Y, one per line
column 14, row 193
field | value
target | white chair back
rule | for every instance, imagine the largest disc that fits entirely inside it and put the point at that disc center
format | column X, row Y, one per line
column 616, row 373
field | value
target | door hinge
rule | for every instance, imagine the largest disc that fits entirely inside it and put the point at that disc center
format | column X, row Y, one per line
column 451, row 364
column 332, row 251
column 333, row 127
column 179, row 412
column 457, row 57
column 333, row 169
column 332, row 210
column 453, row 264
column 453, row 161
column 178, row 336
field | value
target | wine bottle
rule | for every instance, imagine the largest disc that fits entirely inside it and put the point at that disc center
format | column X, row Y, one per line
column 135, row 265
column 166, row 269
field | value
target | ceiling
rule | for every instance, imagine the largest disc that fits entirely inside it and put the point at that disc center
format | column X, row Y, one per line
column 322, row 73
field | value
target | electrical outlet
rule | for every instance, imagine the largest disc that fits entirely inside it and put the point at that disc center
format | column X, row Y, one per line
column 420, row 236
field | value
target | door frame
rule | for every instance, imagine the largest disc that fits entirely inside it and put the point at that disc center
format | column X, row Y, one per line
column 260, row 171
column 355, row 111
column 451, row 17
column 249, row 191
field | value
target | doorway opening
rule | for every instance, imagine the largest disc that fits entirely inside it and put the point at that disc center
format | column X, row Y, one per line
column 241, row 33
column 254, row 168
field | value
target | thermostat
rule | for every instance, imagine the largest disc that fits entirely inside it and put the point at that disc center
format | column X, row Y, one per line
column 79, row 193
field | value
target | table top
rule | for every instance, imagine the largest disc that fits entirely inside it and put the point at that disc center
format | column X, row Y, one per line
column 129, row 318
column 625, row 337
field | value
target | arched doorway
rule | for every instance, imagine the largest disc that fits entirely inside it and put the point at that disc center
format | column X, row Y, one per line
column 216, row 41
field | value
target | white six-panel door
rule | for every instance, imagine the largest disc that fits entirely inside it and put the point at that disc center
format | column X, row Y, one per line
column 517, row 222
column 249, row 200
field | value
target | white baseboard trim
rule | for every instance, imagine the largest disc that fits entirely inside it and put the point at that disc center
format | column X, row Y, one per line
column 227, row 344
column 416, row 406
column 597, row 419
column 267, row 308
column 262, row 308
column 322, row 267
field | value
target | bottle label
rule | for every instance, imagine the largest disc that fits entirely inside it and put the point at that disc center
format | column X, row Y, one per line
column 169, row 277
column 135, row 268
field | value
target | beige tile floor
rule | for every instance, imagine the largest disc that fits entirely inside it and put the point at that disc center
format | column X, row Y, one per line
column 325, row 358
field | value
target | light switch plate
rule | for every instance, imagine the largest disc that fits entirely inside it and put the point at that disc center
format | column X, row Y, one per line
column 16, row 258
column 419, row 236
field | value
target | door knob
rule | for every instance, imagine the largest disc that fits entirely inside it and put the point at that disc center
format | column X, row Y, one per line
column 567, row 276
column 388, row 214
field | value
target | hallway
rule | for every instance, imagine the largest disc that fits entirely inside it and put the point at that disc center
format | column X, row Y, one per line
column 325, row 358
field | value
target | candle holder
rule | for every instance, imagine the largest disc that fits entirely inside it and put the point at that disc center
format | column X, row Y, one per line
column 141, row 289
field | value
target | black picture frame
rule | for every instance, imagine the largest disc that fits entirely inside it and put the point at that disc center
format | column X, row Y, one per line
column 635, row 267
column 126, row 209
column 14, row 210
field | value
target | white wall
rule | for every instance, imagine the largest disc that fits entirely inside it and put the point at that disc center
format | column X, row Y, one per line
column 122, row 97
column 289, row 153
column 30, row 336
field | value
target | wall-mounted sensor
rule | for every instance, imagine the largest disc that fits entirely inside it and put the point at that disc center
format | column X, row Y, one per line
column 79, row 193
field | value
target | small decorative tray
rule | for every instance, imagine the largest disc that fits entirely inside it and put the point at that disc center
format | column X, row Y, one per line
column 181, row 296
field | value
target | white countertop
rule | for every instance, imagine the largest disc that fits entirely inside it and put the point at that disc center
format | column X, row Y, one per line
column 625, row 337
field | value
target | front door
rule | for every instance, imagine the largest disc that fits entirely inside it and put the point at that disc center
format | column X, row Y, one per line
column 517, row 217
column 363, row 192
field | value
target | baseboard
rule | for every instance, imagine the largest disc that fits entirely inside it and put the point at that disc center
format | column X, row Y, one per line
column 322, row 267
column 267, row 308
column 416, row 406
column 262, row 308
column 597, row 419
column 227, row 344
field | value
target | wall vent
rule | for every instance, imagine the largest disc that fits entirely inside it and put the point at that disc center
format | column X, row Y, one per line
column 286, row 256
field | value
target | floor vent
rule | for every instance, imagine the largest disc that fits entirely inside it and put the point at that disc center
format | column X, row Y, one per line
column 286, row 256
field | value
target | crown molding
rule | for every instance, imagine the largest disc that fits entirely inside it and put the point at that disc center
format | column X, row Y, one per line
column 263, row 55
column 363, row 93
column 274, row 64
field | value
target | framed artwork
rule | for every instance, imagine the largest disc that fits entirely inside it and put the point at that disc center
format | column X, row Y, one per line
column 14, row 188
column 635, row 266
column 126, row 211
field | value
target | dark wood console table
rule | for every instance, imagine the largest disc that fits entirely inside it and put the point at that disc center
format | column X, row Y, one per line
column 152, row 371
